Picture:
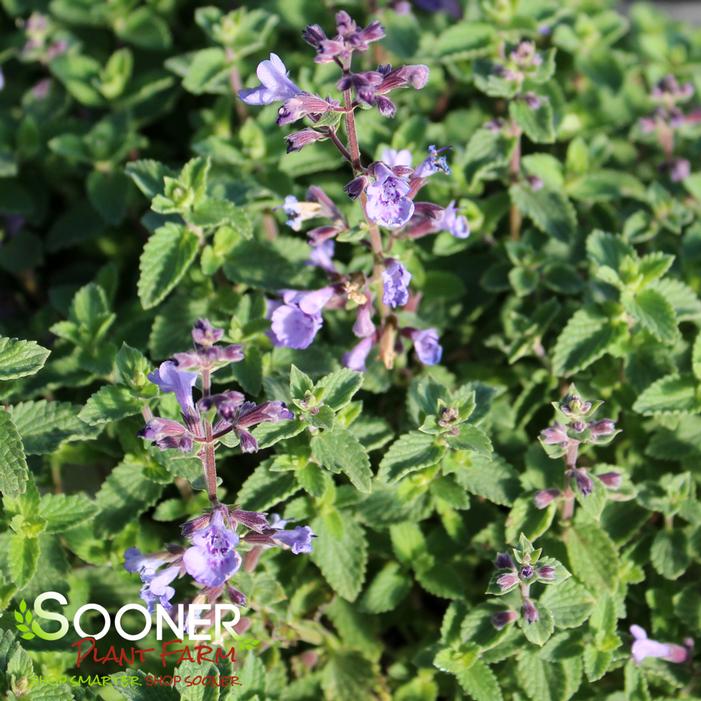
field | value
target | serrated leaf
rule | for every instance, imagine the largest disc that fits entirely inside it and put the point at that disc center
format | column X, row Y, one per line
column 340, row 552
column 474, row 676
column 489, row 477
column 539, row 631
column 14, row 472
column 593, row 557
column 386, row 590
column 124, row 496
column 109, row 403
column 339, row 450
column 569, row 602
column 596, row 662
column 654, row 313
column 166, row 258
column 45, row 425
column 673, row 394
column 669, row 553
column 64, row 512
column 348, row 676
column 587, row 336
column 549, row 210
column 537, row 124
column 20, row 358
column 543, row 680
column 22, row 558
column 410, row 452
column 268, row 434
column 339, row 387
column 264, row 488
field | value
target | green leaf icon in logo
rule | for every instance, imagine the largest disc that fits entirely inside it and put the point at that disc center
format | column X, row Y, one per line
column 26, row 625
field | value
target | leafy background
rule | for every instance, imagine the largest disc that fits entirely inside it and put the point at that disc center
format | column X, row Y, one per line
column 103, row 100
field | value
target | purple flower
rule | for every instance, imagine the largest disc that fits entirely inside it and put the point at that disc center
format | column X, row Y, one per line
column 530, row 612
column 167, row 433
column 434, row 163
column 275, row 84
column 303, row 105
column 604, row 427
column 679, row 169
column 321, row 256
column 554, row 435
column 296, row 321
column 212, row 559
column 356, row 357
column 426, row 345
column 2, row 79
column 170, row 379
column 204, row 334
column 645, row 647
column 526, row 572
column 395, row 281
column 544, row 497
column 503, row 561
column 507, row 581
column 611, row 479
column 456, row 225
column 356, row 187
column 583, row 481
column 546, row 573
column 387, row 202
column 503, row 618
column 299, row 539
column 298, row 212
column 391, row 157
column 157, row 589
column 297, row 140
column 364, row 325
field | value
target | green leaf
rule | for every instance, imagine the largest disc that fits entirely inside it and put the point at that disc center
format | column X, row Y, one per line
column 22, row 558
column 543, row 680
column 108, row 193
column 13, row 465
column 20, row 358
column 539, row 631
column 489, row 477
column 549, row 209
column 596, row 662
column 538, row 124
column 587, row 336
column 474, row 676
column 339, row 387
column 265, row 488
column 685, row 301
column 268, row 434
column 669, row 553
column 525, row 518
column 593, row 557
column 410, row 452
column 339, row 450
column 605, row 185
column 64, row 512
column 45, row 425
column 569, row 602
column 166, row 258
column 388, row 588
column 124, row 496
column 470, row 437
column 672, row 394
column 348, row 676
column 340, row 552
column 148, row 176
column 109, row 403
column 654, row 313
column 464, row 40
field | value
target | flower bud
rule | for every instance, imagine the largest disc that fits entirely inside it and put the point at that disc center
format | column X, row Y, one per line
column 503, row 618
column 507, row 581
column 554, row 435
column 546, row 573
column 503, row 561
column 583, row 481
column 604, row 427
column 544, row 497
column 530, row 612
column 611, row 479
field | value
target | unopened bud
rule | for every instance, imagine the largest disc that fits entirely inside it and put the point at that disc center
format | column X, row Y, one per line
column 503, row 618
column 544, row 497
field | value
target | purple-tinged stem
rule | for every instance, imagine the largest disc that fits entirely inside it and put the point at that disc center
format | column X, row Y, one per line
column 209, row 463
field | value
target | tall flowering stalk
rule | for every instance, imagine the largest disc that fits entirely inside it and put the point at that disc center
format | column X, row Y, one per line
column 213, row 556
column 386, row 191
column 565, row 438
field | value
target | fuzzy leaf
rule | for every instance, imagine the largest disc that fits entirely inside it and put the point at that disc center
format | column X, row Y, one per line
column 166, row 258
column 64, row 512
column 339, row 450
column 45, row 425
column 654, row 313
column 13, row 465
column 669, row 553
column 549, row 209
column 673, row 394
column 109, row 403
column 20, row 358
column 22, row 558
column 593, row 557
column 410, row 452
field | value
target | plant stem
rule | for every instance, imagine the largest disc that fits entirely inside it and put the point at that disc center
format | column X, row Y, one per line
column 514, row 172
column 209, row 464
column 236, row 85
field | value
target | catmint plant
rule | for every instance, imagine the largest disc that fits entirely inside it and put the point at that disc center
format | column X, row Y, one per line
column 216, row 549
column 565, row 439
column 386, row 192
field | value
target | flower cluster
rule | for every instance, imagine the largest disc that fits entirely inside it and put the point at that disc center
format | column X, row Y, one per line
column 565, row 438
column 233, row 412
column 519, row 573
column 213, row 555
column 668, row 96
column 386, row 190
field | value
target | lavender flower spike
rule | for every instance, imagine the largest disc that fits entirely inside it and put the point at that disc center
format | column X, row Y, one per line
column 298, row 540
column 275, row 84
column 297, row 320
column 395, row 280
column 170, row 379
column 645, row 647
column 212, row 559
column 387, row 203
